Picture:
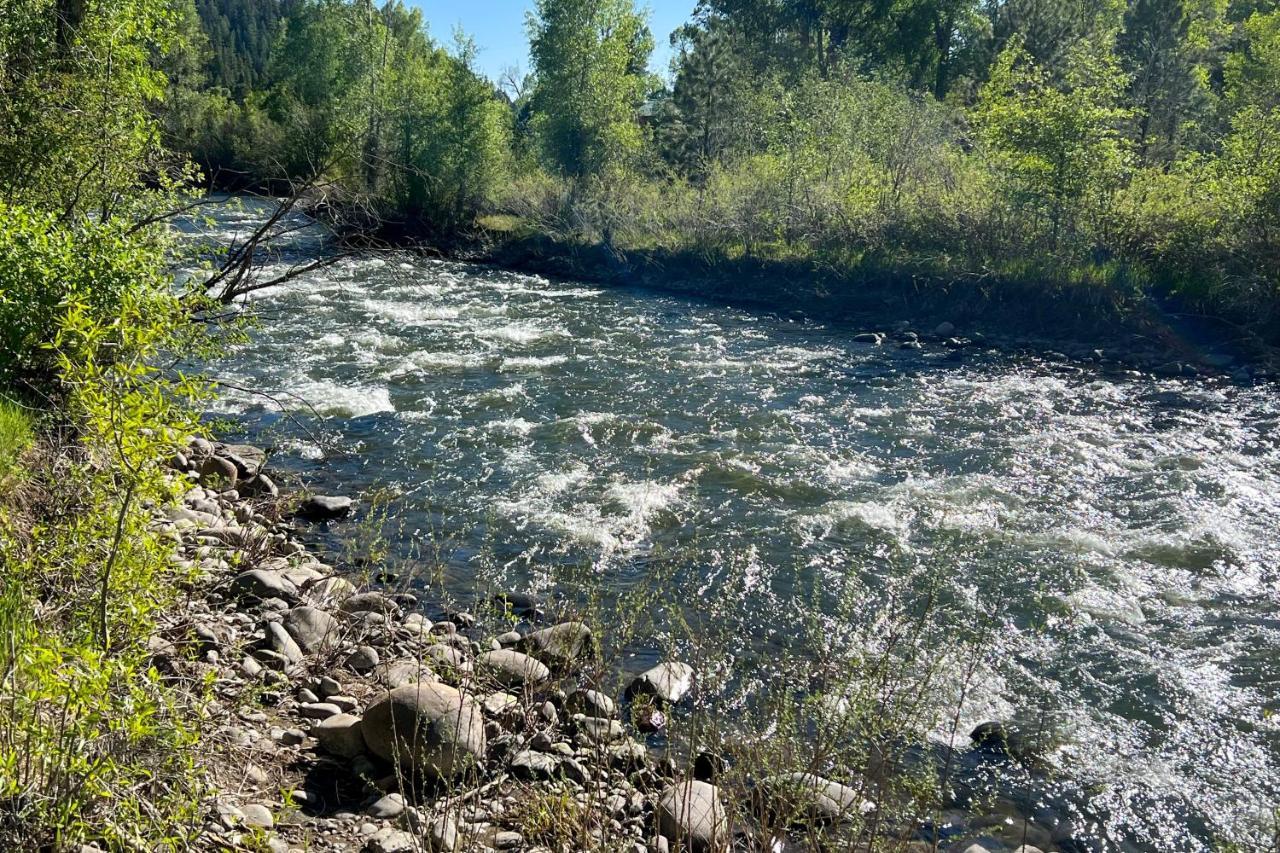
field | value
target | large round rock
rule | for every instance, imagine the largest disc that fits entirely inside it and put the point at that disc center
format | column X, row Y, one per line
column 691, row 815
column 426, row 727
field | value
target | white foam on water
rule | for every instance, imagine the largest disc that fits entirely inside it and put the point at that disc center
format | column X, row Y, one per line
column 435, row 362
column 1111, row 605
column 642, row 500
column 521, row 334
column 844, row 470
column 532, row 362
column 513, row 426
column 333, row 399
column 303, row 449
column 870, row 515
column 555, row 482
column 409, row 313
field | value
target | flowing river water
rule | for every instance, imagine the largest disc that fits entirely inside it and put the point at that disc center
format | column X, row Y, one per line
column 1116, row 532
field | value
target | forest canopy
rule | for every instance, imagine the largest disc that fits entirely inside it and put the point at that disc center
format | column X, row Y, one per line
column 1128, row 147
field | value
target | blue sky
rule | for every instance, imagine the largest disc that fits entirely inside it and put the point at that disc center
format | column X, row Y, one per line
column 498, row 28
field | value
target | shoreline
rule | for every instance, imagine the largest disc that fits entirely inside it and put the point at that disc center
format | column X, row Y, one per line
column 318, row 681
column 1017, row 317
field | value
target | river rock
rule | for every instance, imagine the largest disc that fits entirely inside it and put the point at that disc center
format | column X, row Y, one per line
column 370, row 602
column 690, row 813
column 873, row 338
column 257, row 815
column 324, row 507
column 218, row 472
column 392, row 805
column 806, row 798
column 329, row 591
column 279, row 641
column 598, row 729
column 944, row 329
column 258, row 486
column 340, row 735
column 390, row 840
column 398, row 673
column 560, row 645
column 449, row 658
column 249, row 460
column 314, row 630
column 666, row 682
column 263, row 584
column 591, row 703
column 529, row 765
column 427, row 727
column 513, row 669
column 363, row 659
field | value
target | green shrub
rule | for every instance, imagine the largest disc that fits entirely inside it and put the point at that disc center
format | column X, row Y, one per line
column 46, row 266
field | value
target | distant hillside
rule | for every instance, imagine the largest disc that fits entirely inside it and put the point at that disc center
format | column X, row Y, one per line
column 241, row 33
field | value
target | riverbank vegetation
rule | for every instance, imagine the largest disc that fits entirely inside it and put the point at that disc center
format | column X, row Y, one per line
column 94, row 745
column 1116, row 150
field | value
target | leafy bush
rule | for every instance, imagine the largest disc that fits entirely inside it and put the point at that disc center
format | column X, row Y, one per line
column 46, row 267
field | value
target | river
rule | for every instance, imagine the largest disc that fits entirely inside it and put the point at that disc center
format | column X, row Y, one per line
column 1116, row 533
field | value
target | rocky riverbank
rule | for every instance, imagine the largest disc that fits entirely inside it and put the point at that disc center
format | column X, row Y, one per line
column 342, row 718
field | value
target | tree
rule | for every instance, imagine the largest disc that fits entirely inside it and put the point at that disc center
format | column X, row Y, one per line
column 1057, row 143
column 590, row 59
column 1167, row 89
column 77, row 90
column 707, row 108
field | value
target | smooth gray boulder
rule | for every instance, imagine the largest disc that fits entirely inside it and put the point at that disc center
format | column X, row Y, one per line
column 806, row 798
column 530, row 765
column 324, row 507
column 560, row 645
column 313, row 629
column 369, row 602
column 691, row 815
column 261, row 583
column 592, row 703
column 340, row 735
column 429, row 728
column 218, row 472
column 666, row 682
column 513, row 669
column 278, row 640
column 249, row 460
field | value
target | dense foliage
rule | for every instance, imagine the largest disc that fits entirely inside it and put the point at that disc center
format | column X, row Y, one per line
column 1128, row 147
column 92, row 747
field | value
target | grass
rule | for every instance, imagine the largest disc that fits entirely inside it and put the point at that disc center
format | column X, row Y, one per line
column 17, row 434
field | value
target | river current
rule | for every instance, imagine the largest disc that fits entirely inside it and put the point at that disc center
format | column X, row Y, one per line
column 1117, row 532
